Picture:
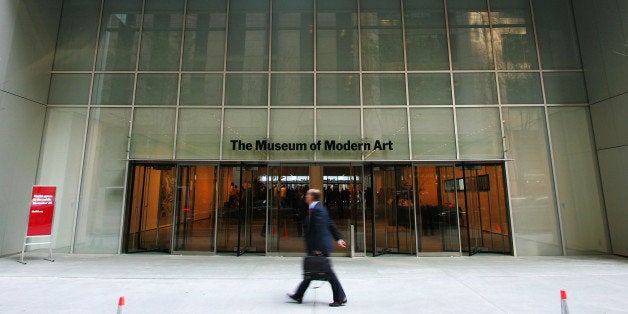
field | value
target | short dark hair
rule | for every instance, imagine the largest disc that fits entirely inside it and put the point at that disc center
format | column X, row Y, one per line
column 316, row 194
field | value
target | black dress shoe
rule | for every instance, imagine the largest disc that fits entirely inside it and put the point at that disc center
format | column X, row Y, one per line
column 293, row 297
column 338, row 303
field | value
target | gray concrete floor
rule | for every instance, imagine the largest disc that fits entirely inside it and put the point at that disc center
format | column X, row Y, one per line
column 153, row 283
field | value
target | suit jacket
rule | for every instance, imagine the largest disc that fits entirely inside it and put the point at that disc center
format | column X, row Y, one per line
column 320, row 231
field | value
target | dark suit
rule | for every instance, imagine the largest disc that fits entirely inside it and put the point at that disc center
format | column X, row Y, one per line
column 319, row 232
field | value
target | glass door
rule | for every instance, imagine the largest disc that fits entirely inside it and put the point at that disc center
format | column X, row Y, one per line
column 195, row 214
column 149, row 221
column 393, row 214
column 484, row 220
column 243, row 198
column 342, row 195
column 287, row 209
column 437, row 209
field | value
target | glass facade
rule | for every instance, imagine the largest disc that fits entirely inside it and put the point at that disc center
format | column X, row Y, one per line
column 445, row 80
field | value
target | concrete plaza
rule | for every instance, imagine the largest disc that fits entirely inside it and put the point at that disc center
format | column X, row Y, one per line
column 155, row 283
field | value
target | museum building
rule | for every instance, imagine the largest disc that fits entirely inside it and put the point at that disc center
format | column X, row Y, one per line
column 433, row 127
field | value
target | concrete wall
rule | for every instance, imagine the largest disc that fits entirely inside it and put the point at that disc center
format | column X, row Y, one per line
column 28, row 30
column 603, row 33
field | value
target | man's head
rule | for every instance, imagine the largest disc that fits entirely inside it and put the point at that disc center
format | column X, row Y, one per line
column 312, row 195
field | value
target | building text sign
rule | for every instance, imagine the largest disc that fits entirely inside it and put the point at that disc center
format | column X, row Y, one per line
column 326, row 145
column 41, row 211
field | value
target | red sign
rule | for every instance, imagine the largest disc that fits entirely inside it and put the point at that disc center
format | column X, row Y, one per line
column 42, row 211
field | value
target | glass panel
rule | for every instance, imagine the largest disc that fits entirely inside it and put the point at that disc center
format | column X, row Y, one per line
column 429, row 89
column 60, row 164
column 201, row 90
column 479, row 133
column 338, row 90
column 199, row 134
column 565, row 88
column 156, row 89
column 204, row 46
column 69, row 89
column 76, row 39
column 558, row 40
column 287, row 187
column 153, row 133
column 246, row 90
column 426, row 37
column 471, row 47
column 531, row 193
column 475, row 88
column 113, row 89
column 342, row 193
column 292, row 126
column 151, row 208
column 520, row 88
column 337, row 31
column 394, row 212
column 513, row 35
column 248, row 35
column 386, row 126
column 119, row 35
column 339, row 125
column 382, row 43
column 292, row 90
column 384, row 89
column 161, row 35
column 433, row 133
column 437, row 215
column 578, row 182
column 102, row 192
column 247, row 126
column 293, row 35
column 196, row 211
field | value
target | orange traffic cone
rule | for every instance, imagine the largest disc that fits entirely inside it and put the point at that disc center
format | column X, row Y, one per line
column 498, row 228
column 285, row 230
column 120, row 305
column 275, row 231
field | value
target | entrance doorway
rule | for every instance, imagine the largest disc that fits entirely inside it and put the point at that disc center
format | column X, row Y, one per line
column 392, row 211
column 419, row 209
column 484, row 221
column 151, row 208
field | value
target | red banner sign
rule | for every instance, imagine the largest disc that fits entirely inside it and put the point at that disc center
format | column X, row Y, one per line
column 42, row 211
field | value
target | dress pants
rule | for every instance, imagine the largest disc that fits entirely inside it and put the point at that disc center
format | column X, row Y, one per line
column 336, row 288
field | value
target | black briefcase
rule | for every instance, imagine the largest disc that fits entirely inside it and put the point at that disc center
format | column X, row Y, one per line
column 316, row 268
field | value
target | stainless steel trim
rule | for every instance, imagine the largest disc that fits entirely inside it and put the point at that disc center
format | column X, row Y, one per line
column 451, row 80
column 176, row 119
column 85, row 135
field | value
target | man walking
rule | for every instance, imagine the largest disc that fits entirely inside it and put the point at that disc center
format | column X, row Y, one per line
column 318, row 241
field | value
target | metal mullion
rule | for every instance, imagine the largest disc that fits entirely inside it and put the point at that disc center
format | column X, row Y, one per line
column 561, row 229
column 224, row 91
column 502, row 129
column 451, row 81
column 176, row 115
column 130, row 133
column 85, row 136
column 270, row 66
column 361, row 75
column 405, row 74
column 315, row 59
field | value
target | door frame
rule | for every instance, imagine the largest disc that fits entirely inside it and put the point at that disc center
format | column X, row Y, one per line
column 366, row 168
column 129, row 200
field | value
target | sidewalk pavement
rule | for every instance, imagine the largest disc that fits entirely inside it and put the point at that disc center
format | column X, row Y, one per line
column 155, row 283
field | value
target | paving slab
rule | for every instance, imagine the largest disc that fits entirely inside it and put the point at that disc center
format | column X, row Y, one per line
column 156, row 283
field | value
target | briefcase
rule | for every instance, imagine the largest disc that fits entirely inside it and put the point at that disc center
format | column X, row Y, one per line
column 316, row 268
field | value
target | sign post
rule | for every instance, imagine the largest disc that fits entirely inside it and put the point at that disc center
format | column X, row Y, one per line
column 40, row 219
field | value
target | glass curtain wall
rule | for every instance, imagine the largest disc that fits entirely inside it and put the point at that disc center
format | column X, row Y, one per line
column 443, row 79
